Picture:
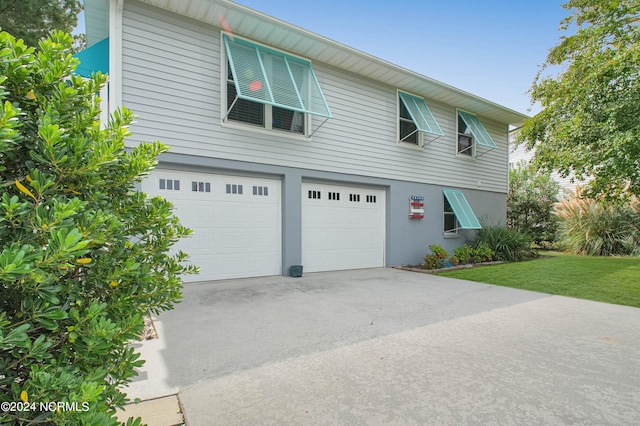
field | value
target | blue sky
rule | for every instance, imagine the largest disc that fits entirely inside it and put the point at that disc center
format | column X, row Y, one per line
column 491, row 49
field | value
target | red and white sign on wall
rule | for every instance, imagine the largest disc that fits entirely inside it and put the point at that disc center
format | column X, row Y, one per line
column 416, row 207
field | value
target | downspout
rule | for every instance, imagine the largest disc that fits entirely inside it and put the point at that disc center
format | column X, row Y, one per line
column 115, row 54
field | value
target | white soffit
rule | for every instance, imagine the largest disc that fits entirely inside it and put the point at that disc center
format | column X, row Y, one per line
column 282, row 35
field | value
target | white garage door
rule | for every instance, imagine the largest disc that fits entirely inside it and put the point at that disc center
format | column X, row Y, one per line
column 236, row 222
column 342, row 227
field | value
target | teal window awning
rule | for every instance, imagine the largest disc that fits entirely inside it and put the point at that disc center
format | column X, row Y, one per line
column 93, row 59
column 274, row 78
column 420, row 114
column 461, row 208
column 477, row 129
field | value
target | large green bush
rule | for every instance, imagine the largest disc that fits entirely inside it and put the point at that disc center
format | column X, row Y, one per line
column 83, row 255
column 507, row 243
column 530, row 203
column 591, row 227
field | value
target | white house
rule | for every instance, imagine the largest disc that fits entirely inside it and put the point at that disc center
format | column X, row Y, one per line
column 289, row 148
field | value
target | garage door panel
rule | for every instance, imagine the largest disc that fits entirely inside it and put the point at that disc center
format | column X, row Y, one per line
column 235, row 234
column 340, row 259
column 241, row 239
column 343, row 227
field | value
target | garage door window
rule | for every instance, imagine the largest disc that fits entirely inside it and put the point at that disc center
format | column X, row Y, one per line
column 233, row 189
column 169, row 184
column 261, row 190
column 200, row 186
column 315, row 195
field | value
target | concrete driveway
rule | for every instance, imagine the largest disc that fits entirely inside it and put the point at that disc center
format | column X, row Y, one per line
column 384, row 346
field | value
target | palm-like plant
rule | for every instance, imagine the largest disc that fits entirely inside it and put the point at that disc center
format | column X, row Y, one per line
column 591, row 227
column 506, row 243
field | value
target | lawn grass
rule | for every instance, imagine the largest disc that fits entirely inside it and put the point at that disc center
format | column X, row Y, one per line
column 603, row 279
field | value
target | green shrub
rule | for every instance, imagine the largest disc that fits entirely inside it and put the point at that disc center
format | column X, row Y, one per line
column 507, row 244
column 467, row 254
column 464, row 254
column 483, row 253
column 437, row 256
column 82, row 255
column 590, row 227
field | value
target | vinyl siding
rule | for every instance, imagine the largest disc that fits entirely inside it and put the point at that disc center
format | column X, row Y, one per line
column 172, row 81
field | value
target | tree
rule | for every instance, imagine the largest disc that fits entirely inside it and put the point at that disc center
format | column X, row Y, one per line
column 530, row 201
column 32, row 20
column 83, row 256
column 590, row 121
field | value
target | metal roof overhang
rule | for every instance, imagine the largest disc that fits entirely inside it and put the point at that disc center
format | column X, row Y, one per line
column 279, row 34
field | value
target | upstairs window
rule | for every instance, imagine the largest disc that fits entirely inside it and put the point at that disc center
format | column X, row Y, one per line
column 259, row 114
column 415, row 121
column 472, row 135
column 465, row 139
column 271, row 89
column 408, row 129
column 241, row 109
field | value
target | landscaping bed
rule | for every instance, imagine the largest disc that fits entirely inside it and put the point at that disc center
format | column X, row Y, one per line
column 423, row 269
